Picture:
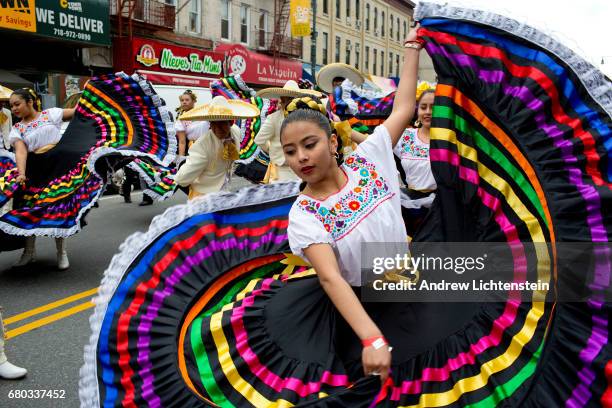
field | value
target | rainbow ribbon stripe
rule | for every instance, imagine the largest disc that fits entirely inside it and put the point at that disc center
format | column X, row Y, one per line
column 517, row 133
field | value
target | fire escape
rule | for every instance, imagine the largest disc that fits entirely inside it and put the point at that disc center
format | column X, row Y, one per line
column 141, row 16
column 137, row 17
column 279, row 44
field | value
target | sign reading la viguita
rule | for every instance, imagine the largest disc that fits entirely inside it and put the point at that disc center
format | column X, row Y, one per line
column 259, row 69
column 85, row 21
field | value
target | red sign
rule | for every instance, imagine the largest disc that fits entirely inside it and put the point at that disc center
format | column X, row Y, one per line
column 257, row 68
column 169, row 64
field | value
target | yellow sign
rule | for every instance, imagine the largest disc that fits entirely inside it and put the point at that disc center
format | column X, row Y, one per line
column 18, row 15
column 301, row 13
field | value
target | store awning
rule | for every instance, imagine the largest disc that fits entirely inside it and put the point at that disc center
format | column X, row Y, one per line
column 164, row 78
column 13, row 81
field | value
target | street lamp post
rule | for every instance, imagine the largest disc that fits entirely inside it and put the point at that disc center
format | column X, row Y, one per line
column 313, row 40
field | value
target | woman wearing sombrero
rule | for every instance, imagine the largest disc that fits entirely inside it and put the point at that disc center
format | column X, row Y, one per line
column 268, row 138
column 208, row 167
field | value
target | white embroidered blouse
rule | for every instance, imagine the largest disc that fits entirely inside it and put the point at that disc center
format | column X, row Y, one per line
column 366, row 209
column 414, row 155
column 42, row 131
column 193, row 129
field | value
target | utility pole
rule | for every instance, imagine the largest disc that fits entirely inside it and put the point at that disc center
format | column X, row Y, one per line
column 313, row 41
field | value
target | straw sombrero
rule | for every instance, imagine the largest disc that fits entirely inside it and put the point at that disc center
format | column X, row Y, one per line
column 290, row 89
column 5, row 93
column 221, row 109
column 326, row 75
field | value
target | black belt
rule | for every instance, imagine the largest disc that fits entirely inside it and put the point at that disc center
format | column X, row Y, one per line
column 416, row 194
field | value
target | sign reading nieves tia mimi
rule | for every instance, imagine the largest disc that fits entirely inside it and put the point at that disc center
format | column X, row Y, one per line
column 179, row 59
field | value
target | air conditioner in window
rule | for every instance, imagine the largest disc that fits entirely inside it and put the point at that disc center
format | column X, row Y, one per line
column 358, row 24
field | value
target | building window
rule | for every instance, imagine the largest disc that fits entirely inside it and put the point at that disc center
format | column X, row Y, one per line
column 382, row 19
column 357, row 55
column 357, row 9
column 325, row 7
column 405, row 30
column 325, row 47
column 382, row 63
column 348, row 52
column 375, row 61
column 262, row 29
column 375, row 21
column 367, row 17
column 337, row 57
column 390, row 64
column 194, row 17
column 397, row 30
column 226, row 16
column 244, row 24
column 397, row 65
column 391, row 26
column 367, row 58
column 338, row 9
column 348, row 9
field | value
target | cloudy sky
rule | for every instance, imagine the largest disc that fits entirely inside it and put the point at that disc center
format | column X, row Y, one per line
column 582, row 25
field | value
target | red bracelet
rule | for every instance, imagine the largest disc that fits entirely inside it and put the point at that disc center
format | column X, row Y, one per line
column 418, row 40
column 377, row 342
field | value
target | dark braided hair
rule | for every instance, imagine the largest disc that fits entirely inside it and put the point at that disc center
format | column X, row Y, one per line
column 311, row 109
column 28, row 94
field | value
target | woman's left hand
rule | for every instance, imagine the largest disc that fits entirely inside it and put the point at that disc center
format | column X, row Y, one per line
column 21, row 179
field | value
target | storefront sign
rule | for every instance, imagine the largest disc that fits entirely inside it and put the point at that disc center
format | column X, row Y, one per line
column 257, row 68
column 84, row 21
column 300, row 11
column 162, row 57
column 18, row 15
column 169, row 64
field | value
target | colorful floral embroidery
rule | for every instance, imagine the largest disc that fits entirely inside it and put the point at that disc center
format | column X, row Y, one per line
column 355, row 203
column 42, row 120
column 411, row 148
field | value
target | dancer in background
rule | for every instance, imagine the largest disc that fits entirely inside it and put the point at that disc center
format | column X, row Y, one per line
column 187, row 132
column 37, row 132
column 412, row 150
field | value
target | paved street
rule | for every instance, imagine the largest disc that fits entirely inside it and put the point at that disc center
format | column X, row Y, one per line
column 49, row 343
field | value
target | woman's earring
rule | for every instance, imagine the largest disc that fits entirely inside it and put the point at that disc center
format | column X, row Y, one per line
column 417, row 123
column 336, row 155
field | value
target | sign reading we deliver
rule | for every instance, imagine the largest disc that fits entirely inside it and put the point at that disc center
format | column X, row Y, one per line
column 81, row 21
